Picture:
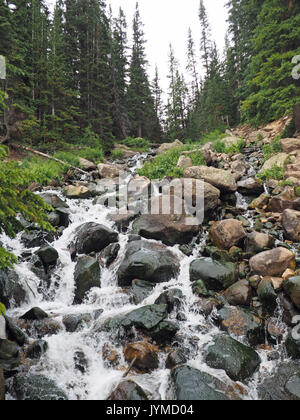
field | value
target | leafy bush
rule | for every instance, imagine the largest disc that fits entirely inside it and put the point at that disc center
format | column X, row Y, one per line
column 68, row 157
column 2, row 309
column 42, row 171
column 16, row 200
column 136, row 144
column 272, row 149
column 220, row 147
column 95, row 154
column 277, row 172
column 212, row 137
column 117, row 154
column 166, row 164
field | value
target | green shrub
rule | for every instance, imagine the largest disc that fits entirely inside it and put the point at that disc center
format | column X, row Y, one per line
column 271, row 149
column 42, row 171
column 95, row 154
column 213, row 136
column 277, row 172
column 220, row 147
column 117, row 154
column 67, row 157
column 136, row 144
column 166, row 164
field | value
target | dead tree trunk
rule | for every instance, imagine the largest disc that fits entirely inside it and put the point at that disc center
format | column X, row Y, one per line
column 44, row 155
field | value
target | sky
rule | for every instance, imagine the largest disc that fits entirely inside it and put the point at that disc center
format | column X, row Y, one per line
column 167, row 21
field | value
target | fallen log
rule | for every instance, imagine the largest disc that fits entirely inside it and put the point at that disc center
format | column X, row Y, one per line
column 44, row 155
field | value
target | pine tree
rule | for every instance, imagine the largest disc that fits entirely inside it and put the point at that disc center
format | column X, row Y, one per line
column 119, row 71
column 272, row 90
column 205, row 42
column 192, row 67
column 140, row 102
column 158, row 106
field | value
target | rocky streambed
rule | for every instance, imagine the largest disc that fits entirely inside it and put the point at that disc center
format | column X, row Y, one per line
column 141, row 306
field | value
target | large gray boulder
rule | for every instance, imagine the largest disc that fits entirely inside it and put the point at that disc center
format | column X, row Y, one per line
column 216, row 275
column 239, row 361
column 219, row 178
column 93, row 237
column 87, row 275
column 11, row 290
column 37, row 388
column 147, row 261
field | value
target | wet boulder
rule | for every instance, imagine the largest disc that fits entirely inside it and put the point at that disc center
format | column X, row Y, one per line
column 144, row 354
column 14, row 333
column 239, row 361
column 31, row 387
column 37, row 349
column 141, row 290
column 170, row 225
column 291, row 224
column 35, row 314
column 267, row 295
column 272, row 263
column 259, row 242
column 48, row 256
column 292, row 345
column 175, row 358
column 281, row 385
column 110, row 254
column 11, row 290
column 239, row 294
column 172, row 298
column 193, row 385
column 2, row 385
column 36, row 238
column 93, row 237
column 227, row 233
column 292, row 288
column 216, row 275
column 164, row 332
column 74, row 322
column 147, row 261
column 86, row 276
column 241, row 322
column 128, row 391
column 10, row 356
column 122, row 221
column 250, row 186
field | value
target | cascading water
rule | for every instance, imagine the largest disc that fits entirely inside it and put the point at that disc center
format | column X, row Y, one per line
column 99, row 379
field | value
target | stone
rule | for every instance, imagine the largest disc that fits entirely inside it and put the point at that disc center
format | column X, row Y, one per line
column 289, row 145
column 54, row 201
column 122, row 221
column 2, row 385
column 172, row 298
column 239, row 361
column 74, row 322
column 37, row 349
column 227, row 233
column 165, row 147
column 175, row 358
column 31, row 387
column 86, row 165
column 292, row 288
column 141, row 290
column 239, row 294
column 2, row 327
column 145, row 355
column 128, row 391
column 272, row 263
column 260, row 202
column 147, row 261
column 283, row 201
column 250, row 186
column 109, row 170
column 35, row 314
column 193, row 385
column 14, row 333
column 11, row 291
column 277, row 160
column 185, row 162
column 258, row 242
column 164, row 332
column 48, row 255
column 86, row 276
column 267, row 295
column 74, row 192
column 93, row 237
column 293, row 387
column 216, row 275
column 293, row 346
column 291, row 224
column 273, row 387
column 110, row 254
column 223, row 180
column 10, row 356
column 241, row 322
